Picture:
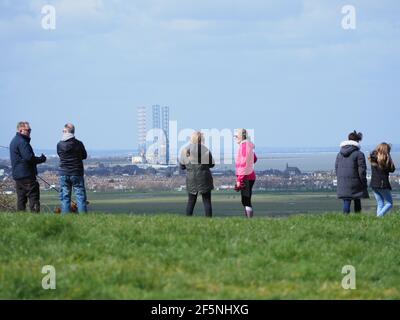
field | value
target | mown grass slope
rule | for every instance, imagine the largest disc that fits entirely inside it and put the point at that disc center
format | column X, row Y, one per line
column 100, row 256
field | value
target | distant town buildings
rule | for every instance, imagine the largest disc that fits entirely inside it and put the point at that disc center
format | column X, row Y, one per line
column 107, row 174
column 291, row 171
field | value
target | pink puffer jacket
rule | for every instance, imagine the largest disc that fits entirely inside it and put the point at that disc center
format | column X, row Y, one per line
column 245, row 160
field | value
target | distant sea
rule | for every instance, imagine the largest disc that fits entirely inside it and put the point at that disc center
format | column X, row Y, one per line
column 306, row 162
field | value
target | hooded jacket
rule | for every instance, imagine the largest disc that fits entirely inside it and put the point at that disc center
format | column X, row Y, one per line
column 197, row 160
column 72, row 152
column 351, row 172
column 245, row 160
column 380, row 176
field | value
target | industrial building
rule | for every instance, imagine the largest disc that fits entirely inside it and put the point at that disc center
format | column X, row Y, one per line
column 159, row 153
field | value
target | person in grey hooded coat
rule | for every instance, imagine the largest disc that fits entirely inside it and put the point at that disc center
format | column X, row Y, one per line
column 197, row 160
column 351, row 172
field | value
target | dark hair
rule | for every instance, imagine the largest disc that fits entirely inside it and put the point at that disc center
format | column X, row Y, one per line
column 355, row 136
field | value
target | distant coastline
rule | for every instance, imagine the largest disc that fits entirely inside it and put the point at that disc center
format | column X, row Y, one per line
column 263, row 151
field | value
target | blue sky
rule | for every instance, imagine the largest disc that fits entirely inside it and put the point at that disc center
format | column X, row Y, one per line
column 285, row 68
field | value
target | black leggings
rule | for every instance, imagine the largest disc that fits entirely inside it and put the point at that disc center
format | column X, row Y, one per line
column 206, row 202
column 247, row 193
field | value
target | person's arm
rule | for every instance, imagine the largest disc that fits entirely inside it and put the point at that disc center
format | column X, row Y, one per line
column 83, row 151
column 182, row 165
column 392, row 167
column 242, row 155
column 183, row 159
column 41, row 159
column 58, row 150
column 336, row 164
column 240, row 179
column 28, row 155
column 241, row 163
column 362, row 169
column 211, row 162
column 26, row 152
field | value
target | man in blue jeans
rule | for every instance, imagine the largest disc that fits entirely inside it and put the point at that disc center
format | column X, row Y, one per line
column 72, row 152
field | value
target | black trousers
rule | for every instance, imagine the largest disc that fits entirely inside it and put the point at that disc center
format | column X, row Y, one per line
column 247, row 192
column 206, row 202
column 28, row 189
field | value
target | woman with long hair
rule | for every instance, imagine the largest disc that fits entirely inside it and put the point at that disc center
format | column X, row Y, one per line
column 245, row 174
column 197, row 160
column 381, row 166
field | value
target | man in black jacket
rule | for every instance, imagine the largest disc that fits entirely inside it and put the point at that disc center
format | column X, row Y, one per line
column 72, row 152
column 24, row 168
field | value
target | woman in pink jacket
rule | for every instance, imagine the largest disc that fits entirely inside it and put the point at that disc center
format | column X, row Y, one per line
column 245, row 175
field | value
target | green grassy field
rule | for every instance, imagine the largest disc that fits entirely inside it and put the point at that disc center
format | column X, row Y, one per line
column 101, row 256
column 224, row 203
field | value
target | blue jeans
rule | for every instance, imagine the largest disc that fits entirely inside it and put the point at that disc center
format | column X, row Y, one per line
column 384, row 201
column 347, row 205
column 77, row 183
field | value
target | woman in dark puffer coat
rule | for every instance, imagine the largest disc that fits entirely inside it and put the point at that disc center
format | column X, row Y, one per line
column 198, row 160
column 351, row 172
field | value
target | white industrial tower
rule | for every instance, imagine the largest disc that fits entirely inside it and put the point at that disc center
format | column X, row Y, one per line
column 165, row 128
column 142, row 130
column 159, row 120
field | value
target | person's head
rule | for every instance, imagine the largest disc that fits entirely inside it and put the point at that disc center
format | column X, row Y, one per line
column 355, row 136
column 197, row 137
column 69, row 128
column 241, row 135
column 24, row 128
column 383, row 155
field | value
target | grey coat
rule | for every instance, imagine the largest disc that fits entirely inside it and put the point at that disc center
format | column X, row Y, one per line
column 351, row 172
column 197, row 160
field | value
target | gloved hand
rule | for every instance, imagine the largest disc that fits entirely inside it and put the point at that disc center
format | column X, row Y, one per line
column 239, row 186
column 43, row 158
